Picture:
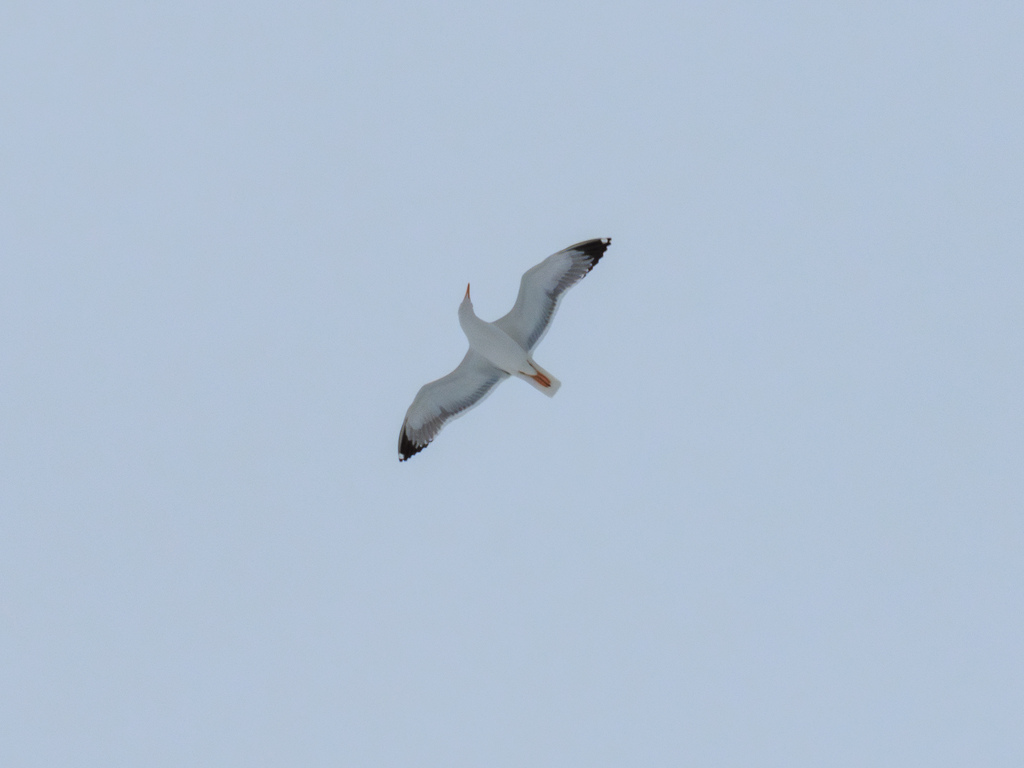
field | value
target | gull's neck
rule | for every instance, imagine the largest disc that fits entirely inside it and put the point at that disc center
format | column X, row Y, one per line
column 467, row 317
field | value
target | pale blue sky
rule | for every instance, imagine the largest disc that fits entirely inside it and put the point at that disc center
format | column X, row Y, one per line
column 772, row 518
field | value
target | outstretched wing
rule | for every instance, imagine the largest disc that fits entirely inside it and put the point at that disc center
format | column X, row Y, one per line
column 449, row 397
column 543, row 286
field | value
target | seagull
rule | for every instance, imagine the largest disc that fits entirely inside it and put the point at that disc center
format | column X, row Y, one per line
column 500, row 349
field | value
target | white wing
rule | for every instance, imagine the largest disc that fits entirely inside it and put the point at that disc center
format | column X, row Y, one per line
column 440, row 401
column 543, row 286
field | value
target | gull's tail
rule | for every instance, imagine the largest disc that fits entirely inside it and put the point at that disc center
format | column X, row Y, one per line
column 541, row 379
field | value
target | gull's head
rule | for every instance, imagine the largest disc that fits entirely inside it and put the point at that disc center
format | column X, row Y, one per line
column 466, row 307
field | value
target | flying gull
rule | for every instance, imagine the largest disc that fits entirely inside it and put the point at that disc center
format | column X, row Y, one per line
column 500, row 349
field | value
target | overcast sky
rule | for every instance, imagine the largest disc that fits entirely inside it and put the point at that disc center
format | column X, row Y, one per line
column 773, row 517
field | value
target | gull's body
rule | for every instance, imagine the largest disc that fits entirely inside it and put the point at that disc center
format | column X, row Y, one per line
column 500, row 349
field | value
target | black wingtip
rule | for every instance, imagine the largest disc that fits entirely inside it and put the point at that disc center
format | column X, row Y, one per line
column 406, row 447
column 592, row 249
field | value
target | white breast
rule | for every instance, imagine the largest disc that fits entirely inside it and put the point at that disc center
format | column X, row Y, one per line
column 494, row 344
